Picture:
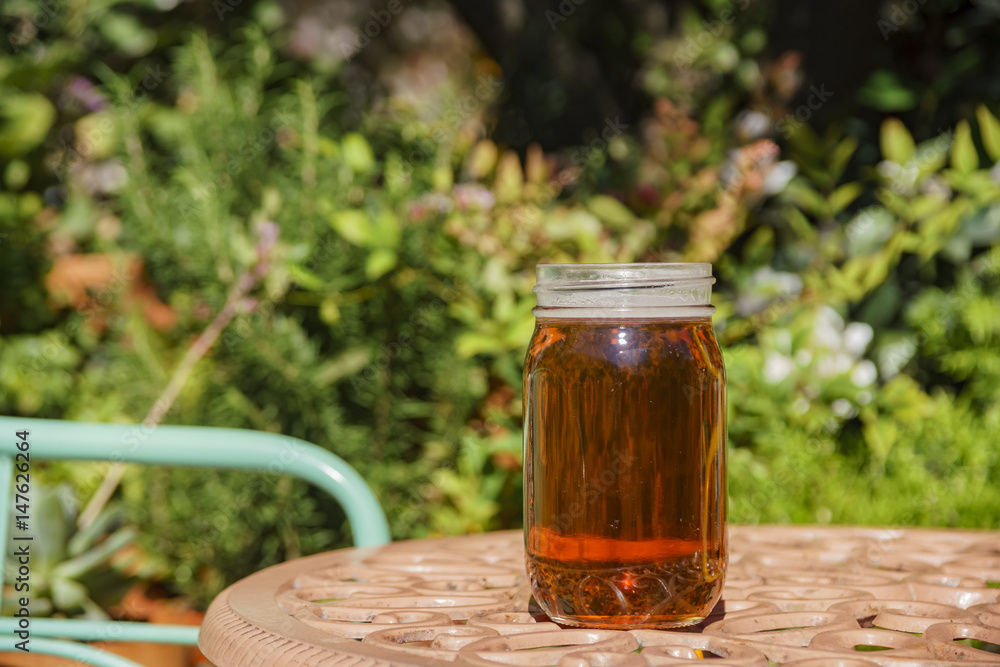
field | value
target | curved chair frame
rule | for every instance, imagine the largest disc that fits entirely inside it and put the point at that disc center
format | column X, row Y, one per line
column 189, row 446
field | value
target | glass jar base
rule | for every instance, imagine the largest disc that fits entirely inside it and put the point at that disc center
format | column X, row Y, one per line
column 627, row 622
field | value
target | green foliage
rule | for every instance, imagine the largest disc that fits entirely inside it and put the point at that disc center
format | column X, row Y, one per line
column 856, row 303
column 72, row 572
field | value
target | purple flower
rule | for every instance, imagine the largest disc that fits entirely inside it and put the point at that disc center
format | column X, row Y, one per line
column 87, row 93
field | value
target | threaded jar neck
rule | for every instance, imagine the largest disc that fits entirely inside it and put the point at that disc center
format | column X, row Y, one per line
column 668, row 290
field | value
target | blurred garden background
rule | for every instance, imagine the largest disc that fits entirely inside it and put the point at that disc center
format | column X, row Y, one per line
column 354, row 195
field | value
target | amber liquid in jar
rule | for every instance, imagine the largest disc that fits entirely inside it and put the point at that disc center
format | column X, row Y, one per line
column 625, row 495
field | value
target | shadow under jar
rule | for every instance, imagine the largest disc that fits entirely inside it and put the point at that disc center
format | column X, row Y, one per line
column 625, row 446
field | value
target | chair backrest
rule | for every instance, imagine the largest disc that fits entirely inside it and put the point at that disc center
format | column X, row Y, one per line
column 193, row 446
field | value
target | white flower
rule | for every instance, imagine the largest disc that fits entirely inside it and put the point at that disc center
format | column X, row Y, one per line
column 935, row 185
column 864, row 374
column 857, row 335
column 834, row 365
column 753, row 124
column 778, row 177
column 763, row 286
column 777, row 367
column 803, row 357
column 888, row 169
column 842, row 408
column 828, row 327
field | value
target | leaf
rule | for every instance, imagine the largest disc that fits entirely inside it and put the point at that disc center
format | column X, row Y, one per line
column 519, row 332
column 354, row 226
column 885, row 92
column 127, row 34
column 611, row 211
column 348, row 363
column 932, row 156
column 67, row 594
column 844, row 196
column 936, row 230
column 807, row 199
column 86, row 562
column 97, row 134
column 357, row 153
column 896, row 142
column 470, row 344
column 924, row 206
column 880, row 436
column 380, row 262
column 86, row 537
column 482, row 158
column 306, row 278
column 840, row 156
column 963, row 152
column 25, row 120
column 386, row 233
column 509, row 182
column 989, row 130
column 329, row 312
column 759, row 248
column 800, row 224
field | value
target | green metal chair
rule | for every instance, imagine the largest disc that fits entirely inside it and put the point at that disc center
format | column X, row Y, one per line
column 191, row 446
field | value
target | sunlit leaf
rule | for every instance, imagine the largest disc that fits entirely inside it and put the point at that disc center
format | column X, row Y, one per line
column 896, row 142
column 380, row 262
column 963, row 152
column 989, row 130
column 25, row 119
column 358, row 153
column 611, row 211
column 354, row 226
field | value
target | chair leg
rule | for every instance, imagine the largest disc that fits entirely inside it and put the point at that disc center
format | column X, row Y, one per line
column 87, row 655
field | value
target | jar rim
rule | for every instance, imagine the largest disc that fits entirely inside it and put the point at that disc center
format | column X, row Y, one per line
column 659, row 269
column 619, row 286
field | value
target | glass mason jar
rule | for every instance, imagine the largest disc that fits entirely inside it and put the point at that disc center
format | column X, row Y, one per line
column 625, row 446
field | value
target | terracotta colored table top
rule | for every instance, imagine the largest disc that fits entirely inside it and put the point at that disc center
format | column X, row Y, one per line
column 794, row 596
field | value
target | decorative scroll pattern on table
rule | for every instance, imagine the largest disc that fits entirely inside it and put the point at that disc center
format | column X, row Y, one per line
column 795, row 596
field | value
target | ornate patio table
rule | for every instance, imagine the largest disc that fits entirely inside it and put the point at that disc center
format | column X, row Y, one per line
column 795, row 596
